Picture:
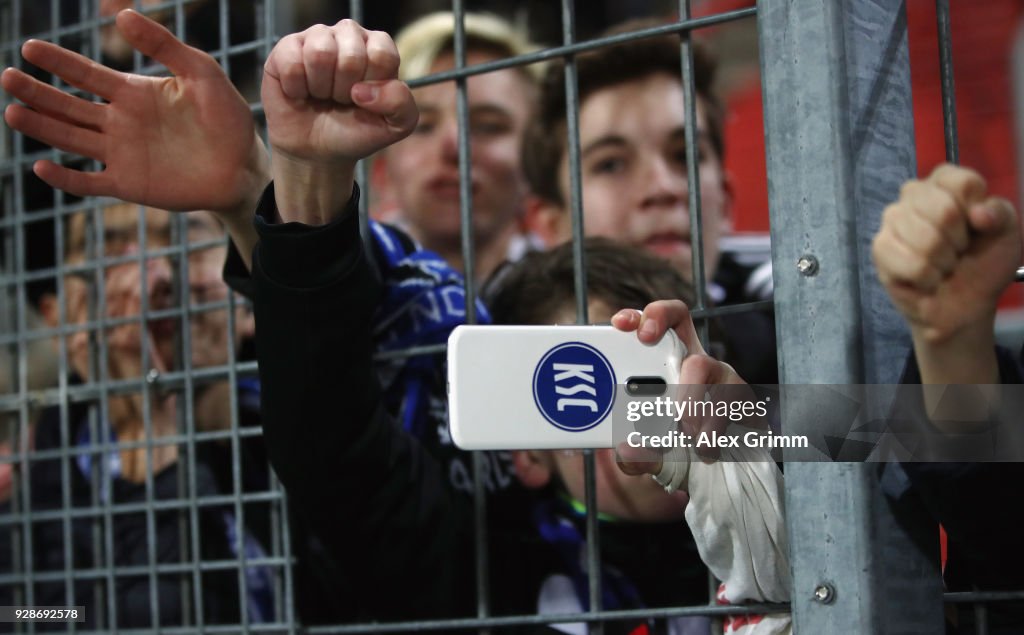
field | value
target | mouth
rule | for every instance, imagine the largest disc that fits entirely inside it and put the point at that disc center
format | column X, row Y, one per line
column 163, row 328
column 667, row 243
column 446, row 188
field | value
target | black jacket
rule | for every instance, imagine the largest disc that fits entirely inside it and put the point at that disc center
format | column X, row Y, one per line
column 128, row 538
column 979, row 507
column 380, row 503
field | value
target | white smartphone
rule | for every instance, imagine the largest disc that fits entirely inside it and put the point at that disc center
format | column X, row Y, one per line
column 549, row 387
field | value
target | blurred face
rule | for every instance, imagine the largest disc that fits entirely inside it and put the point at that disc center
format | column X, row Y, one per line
column 633, row 165
column 634, row 498
column 122, row 282
column 423, row 170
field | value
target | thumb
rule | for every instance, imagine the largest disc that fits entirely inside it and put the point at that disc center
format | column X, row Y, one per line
column 993, row 216
column 391, row 99
column 152, row 39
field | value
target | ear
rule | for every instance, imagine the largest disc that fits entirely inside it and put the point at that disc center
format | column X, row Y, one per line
column 548, row 221
column 48, row 309
column 533, row 468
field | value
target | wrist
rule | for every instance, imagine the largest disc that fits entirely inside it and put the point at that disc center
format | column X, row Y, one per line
column 966, row 356
column 310, row 192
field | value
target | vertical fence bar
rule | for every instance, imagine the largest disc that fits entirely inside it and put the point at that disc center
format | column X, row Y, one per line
column 946, row 76
column 839, row 141
column 469, row 270
column 693, row 172
column 65, row 422
column 274, row 18
column 355, row 11
column 23, row 433
column 572, row 121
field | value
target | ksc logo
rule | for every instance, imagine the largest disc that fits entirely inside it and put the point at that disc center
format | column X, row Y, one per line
column 574, row 386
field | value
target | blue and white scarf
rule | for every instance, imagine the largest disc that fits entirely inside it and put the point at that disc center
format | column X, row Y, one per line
column 424, row 299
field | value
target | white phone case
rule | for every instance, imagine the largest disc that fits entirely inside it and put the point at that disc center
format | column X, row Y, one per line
column 546, row 387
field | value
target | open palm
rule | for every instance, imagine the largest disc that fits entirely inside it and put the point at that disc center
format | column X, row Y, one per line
column 179, row 143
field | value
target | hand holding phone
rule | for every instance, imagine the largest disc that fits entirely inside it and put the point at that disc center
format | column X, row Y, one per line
column 549, row 387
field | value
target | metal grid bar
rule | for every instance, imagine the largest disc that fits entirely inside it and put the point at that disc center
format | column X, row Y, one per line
column 693, row 174
column 946, row 79
column 481, row 559
column 572, row 109
column 838, row 128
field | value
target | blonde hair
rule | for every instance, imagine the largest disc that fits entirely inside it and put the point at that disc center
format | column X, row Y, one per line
column 422, row 41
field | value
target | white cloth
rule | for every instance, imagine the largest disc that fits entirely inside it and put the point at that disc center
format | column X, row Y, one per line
column 737, row 517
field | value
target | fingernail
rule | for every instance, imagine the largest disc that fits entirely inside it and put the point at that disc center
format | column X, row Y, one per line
column 365, row 92
column 649, row 327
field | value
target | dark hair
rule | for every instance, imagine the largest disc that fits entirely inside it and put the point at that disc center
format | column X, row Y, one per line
column 544, row 140
column 534, row 289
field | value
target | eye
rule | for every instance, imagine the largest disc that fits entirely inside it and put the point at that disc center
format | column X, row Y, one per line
column 425, row 126
column 609, row 165
column 492, row 126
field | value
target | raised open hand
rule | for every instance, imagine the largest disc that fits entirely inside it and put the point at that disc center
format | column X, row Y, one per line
column 179, row 143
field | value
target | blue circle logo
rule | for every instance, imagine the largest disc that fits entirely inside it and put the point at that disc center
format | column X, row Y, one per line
column 574, row 386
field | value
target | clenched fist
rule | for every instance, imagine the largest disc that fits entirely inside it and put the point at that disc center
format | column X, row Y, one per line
column 331, row 97
column 946, row 251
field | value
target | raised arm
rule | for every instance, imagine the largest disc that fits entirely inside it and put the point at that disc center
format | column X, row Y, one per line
column 945, row 252
column 180, row 143
column 379, row 502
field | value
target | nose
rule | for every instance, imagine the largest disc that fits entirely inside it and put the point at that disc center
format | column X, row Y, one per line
column 664, row 184
column 449, row 140
column 159, row 282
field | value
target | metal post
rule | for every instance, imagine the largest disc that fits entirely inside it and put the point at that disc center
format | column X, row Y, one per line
column 839, row 141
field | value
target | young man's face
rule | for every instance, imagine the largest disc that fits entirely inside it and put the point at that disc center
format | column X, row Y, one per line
column 633, row 165
column 423, row 170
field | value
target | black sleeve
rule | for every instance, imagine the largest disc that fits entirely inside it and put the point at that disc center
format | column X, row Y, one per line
column 378, row 501
column 974, row 502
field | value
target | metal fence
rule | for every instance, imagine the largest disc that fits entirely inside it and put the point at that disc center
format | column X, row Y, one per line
column 839, row 142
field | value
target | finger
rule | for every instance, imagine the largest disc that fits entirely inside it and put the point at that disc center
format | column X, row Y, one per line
column 154, row 40
column 993, row 216
column 350, row 66
column 937, row 206
column 966, row 185
column 77, row 70
column 392, row 100
column 319, row 55
column 44, row 97
column 663, row 315
column 56, row 133
column 899, row 264
column 286, row 67
column 381, row 57
column 627, row 320
column 921, row 236
column 74, row 181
